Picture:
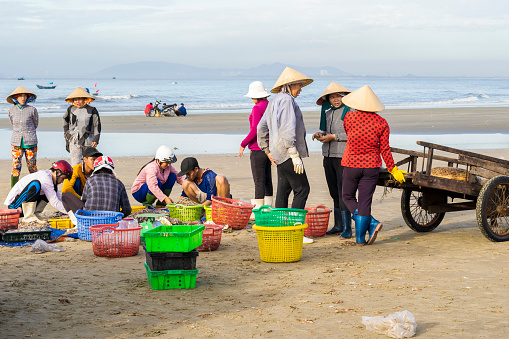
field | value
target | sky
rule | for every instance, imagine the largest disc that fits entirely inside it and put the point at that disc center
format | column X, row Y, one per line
column 392, row 37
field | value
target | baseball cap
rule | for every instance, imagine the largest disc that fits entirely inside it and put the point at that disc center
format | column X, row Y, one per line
column 187, row 165
column 91, row 152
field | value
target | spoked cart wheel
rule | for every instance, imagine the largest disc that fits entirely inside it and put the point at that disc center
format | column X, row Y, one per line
column 415, row 216
column 492, row 209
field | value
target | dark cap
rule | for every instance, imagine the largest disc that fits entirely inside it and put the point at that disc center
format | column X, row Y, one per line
column 91, row 152
column 187, row 165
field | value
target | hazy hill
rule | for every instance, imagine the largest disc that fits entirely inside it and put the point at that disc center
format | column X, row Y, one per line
column 166, row 70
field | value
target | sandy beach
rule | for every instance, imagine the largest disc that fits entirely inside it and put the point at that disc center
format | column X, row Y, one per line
column 453, row 280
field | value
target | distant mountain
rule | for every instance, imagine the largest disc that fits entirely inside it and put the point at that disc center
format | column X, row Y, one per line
column 166, row 70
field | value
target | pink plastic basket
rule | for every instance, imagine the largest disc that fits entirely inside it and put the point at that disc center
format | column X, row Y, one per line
column 234, row 213
column 108, row 241
column 317, row 219
column 211, row 238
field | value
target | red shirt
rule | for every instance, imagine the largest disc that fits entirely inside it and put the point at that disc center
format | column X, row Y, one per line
column 148, row 108
column 368, row 138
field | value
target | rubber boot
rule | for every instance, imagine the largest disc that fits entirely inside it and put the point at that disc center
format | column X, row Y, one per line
column 14, row 180
column 268, row 200
column 258, row 203
column 40, row 207
column 166, row 192
column 354, row 215
column 338, row 222
column 375, row 226
column 347, row 224
column 149, row 200
column 28, row 212
column 361, row 227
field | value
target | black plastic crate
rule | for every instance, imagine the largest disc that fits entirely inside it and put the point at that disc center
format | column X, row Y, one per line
column 26, row 236
column 164, row 261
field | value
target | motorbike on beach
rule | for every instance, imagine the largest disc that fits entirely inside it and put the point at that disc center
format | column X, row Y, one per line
column 164, row 111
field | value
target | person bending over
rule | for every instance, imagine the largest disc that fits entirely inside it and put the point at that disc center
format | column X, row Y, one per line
column 201, row 184
column 155, row 180
column 34, row 191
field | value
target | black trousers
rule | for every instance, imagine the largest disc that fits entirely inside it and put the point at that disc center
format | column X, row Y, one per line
column 262, row 174
column 72, row 202
column 288, row 181
column 334, row 176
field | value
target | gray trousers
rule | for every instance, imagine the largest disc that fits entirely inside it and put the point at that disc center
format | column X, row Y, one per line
column 76, row 154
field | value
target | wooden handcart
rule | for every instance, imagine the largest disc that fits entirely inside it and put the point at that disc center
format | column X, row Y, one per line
column 425, row 198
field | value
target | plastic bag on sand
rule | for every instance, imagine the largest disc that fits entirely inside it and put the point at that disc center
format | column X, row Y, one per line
column 396, row 325
column 41, row 246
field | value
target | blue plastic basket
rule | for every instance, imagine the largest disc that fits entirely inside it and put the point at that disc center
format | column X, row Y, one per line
column 91, row 218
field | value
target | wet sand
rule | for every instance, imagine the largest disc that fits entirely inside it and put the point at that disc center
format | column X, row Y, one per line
column 453, row 279
column 403, row 121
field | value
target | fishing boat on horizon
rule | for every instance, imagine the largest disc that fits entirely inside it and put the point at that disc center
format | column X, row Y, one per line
column 21, row 78
column 48, row 86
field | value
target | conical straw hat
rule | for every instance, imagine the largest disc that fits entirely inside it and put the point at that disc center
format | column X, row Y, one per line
column 289, row 76
column 364, row 99
column 79, row 93
column 19, row 90
column 333, row 87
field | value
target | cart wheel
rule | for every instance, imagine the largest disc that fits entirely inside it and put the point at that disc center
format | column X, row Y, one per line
column 415, row 216
column 492, row 209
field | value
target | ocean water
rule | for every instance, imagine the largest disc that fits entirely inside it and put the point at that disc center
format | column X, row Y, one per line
column 129, row 96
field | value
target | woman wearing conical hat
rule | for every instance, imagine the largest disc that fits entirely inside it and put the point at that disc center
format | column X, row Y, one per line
column 24, row 119
column 333, row 139
column 368, row 139
column 82, row 125
column 281, row 134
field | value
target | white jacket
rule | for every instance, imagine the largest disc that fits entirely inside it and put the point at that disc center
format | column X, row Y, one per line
column 47, row 188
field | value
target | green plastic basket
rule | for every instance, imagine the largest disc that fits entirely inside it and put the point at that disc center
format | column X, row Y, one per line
column 208, row 212
column 185, row 213
column 172, row 279
column 268, row 216
column 174, row 238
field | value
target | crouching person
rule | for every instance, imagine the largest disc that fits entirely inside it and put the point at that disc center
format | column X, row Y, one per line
column 102, row 191
column 201, row 184
column 35, row 190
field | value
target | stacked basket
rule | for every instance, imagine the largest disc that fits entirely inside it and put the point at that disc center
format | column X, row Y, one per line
column 280, row 233
column 171, row 256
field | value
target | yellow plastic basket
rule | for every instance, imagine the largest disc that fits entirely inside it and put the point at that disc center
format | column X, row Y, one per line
column 208, row 212
column 61, row 223
column 280, row 244
column 137, row 208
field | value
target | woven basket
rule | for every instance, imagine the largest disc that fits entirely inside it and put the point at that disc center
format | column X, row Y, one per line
column 234, row 213
column 317, row 219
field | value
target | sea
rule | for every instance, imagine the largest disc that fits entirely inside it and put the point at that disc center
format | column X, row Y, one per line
column 124, row 97
column 130, row 96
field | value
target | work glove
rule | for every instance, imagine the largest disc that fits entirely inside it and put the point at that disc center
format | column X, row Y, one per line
column 398, row 174
column 298, row 165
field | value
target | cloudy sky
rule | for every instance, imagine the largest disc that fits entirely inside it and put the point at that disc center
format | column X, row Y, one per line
column 391, row 37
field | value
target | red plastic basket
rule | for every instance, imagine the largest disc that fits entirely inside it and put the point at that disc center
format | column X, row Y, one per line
column 317, row 219
column 211, row 238
column 234, row 213
column 9, row 219
column 108, row 241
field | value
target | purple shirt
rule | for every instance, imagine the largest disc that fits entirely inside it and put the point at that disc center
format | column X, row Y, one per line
column 254, row 119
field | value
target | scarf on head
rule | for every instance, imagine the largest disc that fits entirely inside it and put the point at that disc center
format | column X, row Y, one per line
column 325, row 107
column 31, row 98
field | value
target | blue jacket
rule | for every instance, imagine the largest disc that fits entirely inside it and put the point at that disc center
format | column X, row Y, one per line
column 207, row 185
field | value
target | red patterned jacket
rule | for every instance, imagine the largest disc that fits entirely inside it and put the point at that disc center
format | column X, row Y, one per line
column 368, row 138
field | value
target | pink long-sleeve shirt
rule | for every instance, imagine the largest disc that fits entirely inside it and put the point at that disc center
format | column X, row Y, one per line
column 149, row 174
column 254, row 119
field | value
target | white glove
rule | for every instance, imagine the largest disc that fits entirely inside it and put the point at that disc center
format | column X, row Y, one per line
column 298, row 165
